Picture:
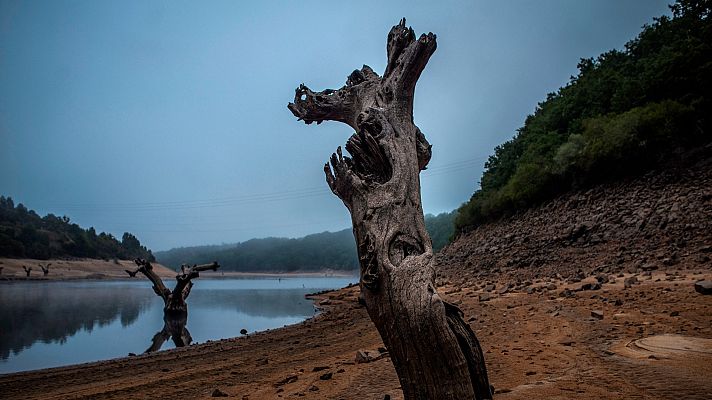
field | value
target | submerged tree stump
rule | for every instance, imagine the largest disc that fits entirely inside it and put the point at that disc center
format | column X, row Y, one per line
column 434, row 351
column 174, row 300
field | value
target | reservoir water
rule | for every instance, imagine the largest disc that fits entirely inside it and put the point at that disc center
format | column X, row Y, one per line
column 50, row 324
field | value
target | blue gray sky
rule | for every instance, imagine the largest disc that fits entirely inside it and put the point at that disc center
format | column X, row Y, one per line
column 168, row 119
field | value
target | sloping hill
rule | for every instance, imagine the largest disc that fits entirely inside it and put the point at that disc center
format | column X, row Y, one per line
column 661, row 219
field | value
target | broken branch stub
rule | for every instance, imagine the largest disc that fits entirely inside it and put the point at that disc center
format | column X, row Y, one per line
column 434, row 351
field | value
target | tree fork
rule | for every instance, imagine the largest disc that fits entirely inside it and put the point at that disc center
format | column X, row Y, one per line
column 435, row 352
column 173, row 300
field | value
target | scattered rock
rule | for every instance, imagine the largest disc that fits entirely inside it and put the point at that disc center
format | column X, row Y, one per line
column 485, row 297
column 321, row 368
column 597, row 314
column 703, row 287
column 289, row 379
column 326, row 376
column 366, row 356
column 325, row 302
column 243, row 331
column 629, row 282
column 219, row 393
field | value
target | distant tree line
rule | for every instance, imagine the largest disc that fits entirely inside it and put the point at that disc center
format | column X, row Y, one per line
column 24, row 234
column 622, row 114
column 317, row 252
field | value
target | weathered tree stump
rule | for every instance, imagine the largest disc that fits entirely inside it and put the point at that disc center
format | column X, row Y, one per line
column 27, row 270
column 174, row 300
column 45, row 269
column 435, row 353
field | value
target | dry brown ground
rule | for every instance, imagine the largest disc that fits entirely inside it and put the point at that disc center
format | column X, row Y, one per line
column 74, row 269
column 537, row 345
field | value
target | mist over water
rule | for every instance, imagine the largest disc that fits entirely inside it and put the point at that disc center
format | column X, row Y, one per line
column 60, row 323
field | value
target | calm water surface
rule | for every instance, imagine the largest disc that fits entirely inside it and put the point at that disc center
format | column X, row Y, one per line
column 49, row 324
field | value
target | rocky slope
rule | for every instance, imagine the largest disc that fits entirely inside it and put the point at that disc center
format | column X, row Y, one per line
column 652, row 222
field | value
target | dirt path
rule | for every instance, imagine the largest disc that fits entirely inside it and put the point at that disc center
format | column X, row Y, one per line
column 537, row 345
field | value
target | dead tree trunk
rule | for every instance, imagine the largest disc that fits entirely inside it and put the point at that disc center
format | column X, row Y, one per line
column 435, row 353
column 173, row 300
column 27, row 270
column 45, row 269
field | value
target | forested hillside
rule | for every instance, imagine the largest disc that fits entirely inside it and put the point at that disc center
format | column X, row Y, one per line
column 24, row 234
column 326, row 250
column 623, row 113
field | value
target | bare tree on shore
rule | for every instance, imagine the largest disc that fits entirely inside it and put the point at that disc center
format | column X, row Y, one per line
column 45, row 268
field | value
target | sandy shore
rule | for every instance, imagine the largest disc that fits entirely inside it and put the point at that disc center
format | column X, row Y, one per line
column 73, row 269
column 654, row 341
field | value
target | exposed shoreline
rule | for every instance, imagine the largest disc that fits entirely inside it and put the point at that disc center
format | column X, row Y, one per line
column 536, row 345
column 91, row 269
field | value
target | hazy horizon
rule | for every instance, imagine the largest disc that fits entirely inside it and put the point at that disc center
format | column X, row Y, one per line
column 168, row 119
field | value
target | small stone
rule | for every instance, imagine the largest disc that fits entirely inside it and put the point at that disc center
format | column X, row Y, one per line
column 703, row 287
column 629, row 282
column 289, row 379
column 313, row 388
column 219, row 393
column 243, row 331
column 321, row 368
column 530, row 373
column 485, row 297
column 597, row 314
column 365, row 356
column 325, row 302
column 675, row 313
column 326, row 376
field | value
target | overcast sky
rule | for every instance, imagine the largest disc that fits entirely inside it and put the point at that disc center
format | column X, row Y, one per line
column 168, row 119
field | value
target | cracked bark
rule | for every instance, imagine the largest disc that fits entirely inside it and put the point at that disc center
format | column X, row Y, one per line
column 173, row 300
column 434, row 351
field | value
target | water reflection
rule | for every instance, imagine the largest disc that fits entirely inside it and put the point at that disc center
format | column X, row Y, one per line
column 47, row 324
column 29, row 312
column 173, row 328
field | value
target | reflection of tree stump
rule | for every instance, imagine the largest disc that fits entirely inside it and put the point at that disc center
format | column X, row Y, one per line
column 174, row 327
column 434, row 351
column 174, row 301
column 27, row 270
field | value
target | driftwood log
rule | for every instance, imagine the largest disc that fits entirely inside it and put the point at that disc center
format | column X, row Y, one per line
column 173, row 300
column 434, row 351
